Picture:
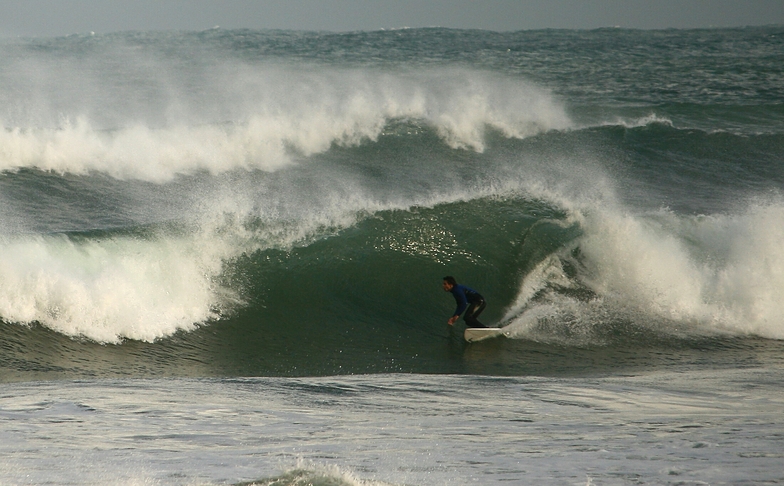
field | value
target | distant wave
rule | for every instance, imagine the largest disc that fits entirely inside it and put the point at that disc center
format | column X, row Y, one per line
column 651, row 119
column 278, row 114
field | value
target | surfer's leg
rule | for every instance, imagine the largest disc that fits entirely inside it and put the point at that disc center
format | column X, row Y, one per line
column 473, row 312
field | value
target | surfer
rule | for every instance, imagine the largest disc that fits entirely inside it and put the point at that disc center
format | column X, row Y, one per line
column 466, row 298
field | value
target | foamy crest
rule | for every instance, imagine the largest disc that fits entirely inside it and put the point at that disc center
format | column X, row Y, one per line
column 726, row 272
column 110, row 289
column 652, row 119
column 140, row 152
column 275, row 115
column 676, row 273
column 749, row 284
column 308, row 472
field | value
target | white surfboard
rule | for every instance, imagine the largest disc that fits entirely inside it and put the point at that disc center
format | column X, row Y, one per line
column 474, row 334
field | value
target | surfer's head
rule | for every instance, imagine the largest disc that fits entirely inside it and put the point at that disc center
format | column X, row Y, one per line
column 449, row 283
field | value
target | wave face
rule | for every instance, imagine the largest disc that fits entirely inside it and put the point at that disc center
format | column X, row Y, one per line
column 283, row 203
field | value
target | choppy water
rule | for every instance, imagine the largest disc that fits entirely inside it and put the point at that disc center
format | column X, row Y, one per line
column 218, row 230
column 716, row 427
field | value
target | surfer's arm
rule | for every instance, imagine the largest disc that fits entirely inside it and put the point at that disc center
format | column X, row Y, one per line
column 462, row 303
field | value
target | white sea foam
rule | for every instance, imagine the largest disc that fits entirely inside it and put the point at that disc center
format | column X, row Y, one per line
column 720, row 272
column 651, row 119
column 726, row 271
column 110, row 289
column 309, row 472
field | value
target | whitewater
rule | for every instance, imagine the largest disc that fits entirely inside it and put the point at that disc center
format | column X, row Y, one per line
column 221, row 255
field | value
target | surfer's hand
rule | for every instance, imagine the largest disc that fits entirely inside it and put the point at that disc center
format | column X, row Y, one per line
column 451, row 320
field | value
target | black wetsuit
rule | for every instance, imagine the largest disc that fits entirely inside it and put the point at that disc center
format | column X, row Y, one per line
column 471, row 302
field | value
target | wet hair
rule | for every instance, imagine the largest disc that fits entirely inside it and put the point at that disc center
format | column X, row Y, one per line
column 450, row 280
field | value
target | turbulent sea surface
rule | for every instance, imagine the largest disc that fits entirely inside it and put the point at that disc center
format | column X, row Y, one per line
column 221, row 256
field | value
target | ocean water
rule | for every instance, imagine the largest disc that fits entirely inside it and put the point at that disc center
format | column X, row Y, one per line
column 221, row 256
